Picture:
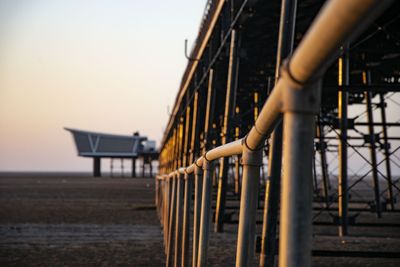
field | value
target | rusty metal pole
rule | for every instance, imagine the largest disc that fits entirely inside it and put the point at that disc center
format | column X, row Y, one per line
column 226, row 136
column 205, row 218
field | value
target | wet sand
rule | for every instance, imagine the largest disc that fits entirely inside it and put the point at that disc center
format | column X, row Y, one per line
column 69, row 220
column 75, row 220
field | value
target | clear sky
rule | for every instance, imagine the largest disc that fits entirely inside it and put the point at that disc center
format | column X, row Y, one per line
column 106, row 65
column 101, row 65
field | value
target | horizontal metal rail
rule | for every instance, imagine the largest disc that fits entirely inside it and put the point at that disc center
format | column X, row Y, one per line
column 296, row 99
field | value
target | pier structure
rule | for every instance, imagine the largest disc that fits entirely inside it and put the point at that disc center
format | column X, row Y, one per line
column 291, row 107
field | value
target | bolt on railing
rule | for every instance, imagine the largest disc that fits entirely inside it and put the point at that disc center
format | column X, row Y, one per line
column 297, row 96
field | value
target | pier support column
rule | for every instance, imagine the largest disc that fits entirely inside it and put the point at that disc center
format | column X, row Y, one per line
column 231, row 87
column 343, row 79
column 269, row 242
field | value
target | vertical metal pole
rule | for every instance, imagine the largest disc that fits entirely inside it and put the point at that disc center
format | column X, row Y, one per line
column 150, row 167
column 157, row 193
column 209, row 111
column 165, row 216
column 386, row 150
column 167, row 206
column 372, row 147
column 186, row 219
column 186, row 137
column 143, row 166
column 205, row 218
column 273, row 185
column 343, row 79
column 96, row 167
column 324, row 164
column 251, row 161
column 237, row 161
column 171, row 222
column 237, row 175
column 198, row 188
column 296, row 200
column 271, row 204
column 226, row 138
column 178, row 221
column 133, row 168
column 194, row 128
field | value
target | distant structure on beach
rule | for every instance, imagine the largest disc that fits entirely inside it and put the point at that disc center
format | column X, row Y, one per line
column 101, row 145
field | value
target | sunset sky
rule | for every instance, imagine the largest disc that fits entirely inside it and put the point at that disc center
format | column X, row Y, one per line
column 109, row 66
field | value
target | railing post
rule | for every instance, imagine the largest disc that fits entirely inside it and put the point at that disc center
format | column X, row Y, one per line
column 251, row 161
column 205, row 218
column 198, row 188
column 300, row 105
column 171, row 221
column 186, row 218
column 179, row 217
column 167, row 204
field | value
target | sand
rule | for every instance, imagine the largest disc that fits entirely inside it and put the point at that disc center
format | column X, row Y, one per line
column 78, row 220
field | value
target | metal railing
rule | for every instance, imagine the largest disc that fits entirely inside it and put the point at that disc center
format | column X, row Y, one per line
column 295, row 99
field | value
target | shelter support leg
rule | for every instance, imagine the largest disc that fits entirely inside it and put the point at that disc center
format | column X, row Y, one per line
column 133, row 168
column 143, row 166
column 96, row 167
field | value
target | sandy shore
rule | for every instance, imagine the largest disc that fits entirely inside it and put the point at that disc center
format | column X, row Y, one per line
column 68, row 220
column 75, row 220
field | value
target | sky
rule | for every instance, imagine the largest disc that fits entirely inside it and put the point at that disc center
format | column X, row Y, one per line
column 107, row 65
column 111, row 66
